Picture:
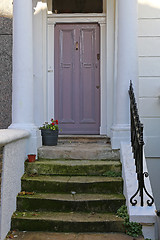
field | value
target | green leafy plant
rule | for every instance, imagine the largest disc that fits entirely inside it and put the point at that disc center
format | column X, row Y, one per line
column 112, row 174
column 53, row 125
column 132, row 228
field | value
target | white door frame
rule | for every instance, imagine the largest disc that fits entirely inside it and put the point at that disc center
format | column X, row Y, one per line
column 78, row 18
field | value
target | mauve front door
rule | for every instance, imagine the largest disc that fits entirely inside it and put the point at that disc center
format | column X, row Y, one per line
column 77, row 78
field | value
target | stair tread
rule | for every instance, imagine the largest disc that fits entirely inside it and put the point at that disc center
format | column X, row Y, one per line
column 74, row 197
column 79, row 150
column 76, row 162
column 72, row 179
column 70, row 217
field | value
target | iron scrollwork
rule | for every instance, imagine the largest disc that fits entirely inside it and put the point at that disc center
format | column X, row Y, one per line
column 137, row 147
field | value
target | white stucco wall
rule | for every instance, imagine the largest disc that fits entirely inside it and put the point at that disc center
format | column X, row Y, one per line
column 14, row 155
column 149, row 73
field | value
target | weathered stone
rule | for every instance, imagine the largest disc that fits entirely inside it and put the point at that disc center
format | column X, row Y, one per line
column 73, row 167
column 83, row 139
column 72, row 195
column 92, row 151
column 67, row 222
column 71, row 202
column 72, row 236
column 66, row 184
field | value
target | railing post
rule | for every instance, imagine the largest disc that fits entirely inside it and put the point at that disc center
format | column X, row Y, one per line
column 137, row 147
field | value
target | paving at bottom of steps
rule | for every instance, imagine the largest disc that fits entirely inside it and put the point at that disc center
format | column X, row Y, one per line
column 70, row 236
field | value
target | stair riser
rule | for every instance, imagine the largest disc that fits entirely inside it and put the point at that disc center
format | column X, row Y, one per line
column 76, row 170
column 76, row 155
column 63, row 187
column 62, row 226
column 83, row 140
column 101, row 206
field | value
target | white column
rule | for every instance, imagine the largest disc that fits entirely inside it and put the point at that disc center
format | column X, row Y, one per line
column 22, row 97
column 127, row 68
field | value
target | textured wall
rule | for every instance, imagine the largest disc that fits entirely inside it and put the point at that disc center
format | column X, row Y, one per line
column 14, row 142
column 5, row 71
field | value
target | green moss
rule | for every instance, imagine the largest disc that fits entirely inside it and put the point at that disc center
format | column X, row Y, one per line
column 67, row 222
column 67, row 203
column 132, row 228
column 112, row 174
column 74, row 168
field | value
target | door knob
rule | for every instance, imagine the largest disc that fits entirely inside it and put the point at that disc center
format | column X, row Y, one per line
column 97, row 87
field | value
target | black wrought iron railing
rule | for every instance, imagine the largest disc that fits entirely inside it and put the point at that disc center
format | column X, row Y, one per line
column 137, row 148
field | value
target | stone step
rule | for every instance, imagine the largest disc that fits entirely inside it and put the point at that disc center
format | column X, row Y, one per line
column 70, row 202
column 70, row 236
column 67, row 184
column 83, row 139
column 67, row 222
column 74, row 167
column 86, row 151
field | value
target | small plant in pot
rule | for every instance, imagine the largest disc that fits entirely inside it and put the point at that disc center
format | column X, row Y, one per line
column 31, row 157
column 49, row 133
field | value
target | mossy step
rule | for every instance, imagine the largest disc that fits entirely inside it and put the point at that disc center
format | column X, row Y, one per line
column 83, row 139
column 66, row 184
column 74, row 151
column 70, row 202
column 73, row 167
column 66, row 222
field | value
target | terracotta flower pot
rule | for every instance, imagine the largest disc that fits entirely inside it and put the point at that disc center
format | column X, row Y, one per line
column 31, row 157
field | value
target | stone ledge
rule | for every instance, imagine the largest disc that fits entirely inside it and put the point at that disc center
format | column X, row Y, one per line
column 11, row 135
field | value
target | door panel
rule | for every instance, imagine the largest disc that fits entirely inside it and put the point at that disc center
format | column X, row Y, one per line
column 66, row 75
column 77, row 100
column 87, row 76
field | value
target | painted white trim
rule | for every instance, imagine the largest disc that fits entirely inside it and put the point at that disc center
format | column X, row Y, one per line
column 110, row 48
column 103, row 84
column 78, row 18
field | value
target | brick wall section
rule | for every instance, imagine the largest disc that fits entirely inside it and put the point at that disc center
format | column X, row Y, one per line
column 1, row 157
column 5, row 71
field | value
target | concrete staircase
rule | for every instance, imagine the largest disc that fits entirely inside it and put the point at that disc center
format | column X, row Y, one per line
column 77, row 188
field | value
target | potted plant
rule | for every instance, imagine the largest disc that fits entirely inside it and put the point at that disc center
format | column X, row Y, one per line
column 49, row 133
